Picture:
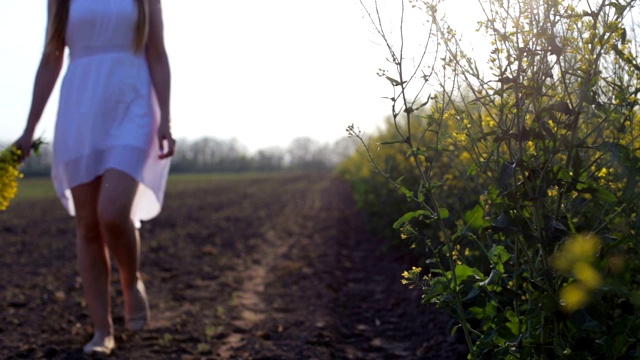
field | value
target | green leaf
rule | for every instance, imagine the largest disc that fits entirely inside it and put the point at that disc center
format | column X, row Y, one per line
column 620, row 8
column 492, row 279
column 421, row 192
column 620, row 152
column 597, row 191
column 488, row 312
column 475, row 218
column 562, row 173
column 391, row 142
column 475, row 291
column 437, row 287
column 605, row 196
column 473, row 169
column 394, row 82
column 408, row 193
column 592, row 325
column 624, row 57
column 444, row 213
column 498, row 254
column 514, row 323
column 464, row 272
column 35, row 146
column 409, row 216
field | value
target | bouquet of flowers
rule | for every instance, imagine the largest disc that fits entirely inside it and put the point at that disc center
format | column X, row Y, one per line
column 10, row 161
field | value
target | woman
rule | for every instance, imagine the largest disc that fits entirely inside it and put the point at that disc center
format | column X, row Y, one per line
column 112, row 141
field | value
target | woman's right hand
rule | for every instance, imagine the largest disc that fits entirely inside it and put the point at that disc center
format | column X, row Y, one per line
column 24, row 144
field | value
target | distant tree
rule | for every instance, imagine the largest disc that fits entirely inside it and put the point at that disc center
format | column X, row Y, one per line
column 270, row 159
column 305, row 153
column 39, row 165
column 209, row 154
column 341, row 150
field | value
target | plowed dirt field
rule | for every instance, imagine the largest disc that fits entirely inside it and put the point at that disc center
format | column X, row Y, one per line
column 261, row 267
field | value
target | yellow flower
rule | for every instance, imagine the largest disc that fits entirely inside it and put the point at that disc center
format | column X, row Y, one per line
column 10, row 160
column 576, row 259
column 9, row 175
column 603, row 172
column 589, row 276
column 573, row 297
column 580, row 247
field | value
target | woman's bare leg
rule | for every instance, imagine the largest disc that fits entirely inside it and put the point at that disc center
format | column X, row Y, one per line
column 93, row 258
column 117, row 192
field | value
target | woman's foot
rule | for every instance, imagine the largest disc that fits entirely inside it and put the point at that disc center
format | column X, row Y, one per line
column 136, row 313
column 102, row 343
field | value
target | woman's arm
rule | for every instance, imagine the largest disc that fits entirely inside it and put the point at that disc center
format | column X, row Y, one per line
column 46, row 77
column 160, row 72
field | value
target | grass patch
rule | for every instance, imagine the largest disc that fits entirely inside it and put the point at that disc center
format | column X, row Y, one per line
column 181, row 181
column 35, row 188
column 40, row 188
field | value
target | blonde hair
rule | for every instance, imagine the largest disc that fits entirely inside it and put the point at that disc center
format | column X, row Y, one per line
column 60, row 15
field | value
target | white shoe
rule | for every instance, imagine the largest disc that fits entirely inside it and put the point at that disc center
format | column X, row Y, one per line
column 100, row 345
column 137, row 321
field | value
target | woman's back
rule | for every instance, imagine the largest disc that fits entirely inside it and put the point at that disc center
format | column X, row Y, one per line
column 101, row 24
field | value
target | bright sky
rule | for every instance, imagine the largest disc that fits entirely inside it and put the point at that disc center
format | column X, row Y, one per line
column 263, row 72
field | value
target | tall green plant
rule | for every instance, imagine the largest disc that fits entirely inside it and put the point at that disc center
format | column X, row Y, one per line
column 542, row 266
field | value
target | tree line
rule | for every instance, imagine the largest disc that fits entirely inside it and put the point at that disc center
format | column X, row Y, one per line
column 210, row 154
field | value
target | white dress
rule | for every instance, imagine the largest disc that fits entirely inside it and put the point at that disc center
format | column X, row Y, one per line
column 108, row 114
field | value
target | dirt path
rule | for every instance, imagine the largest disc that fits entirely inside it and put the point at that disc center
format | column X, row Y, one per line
column 269, row 267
